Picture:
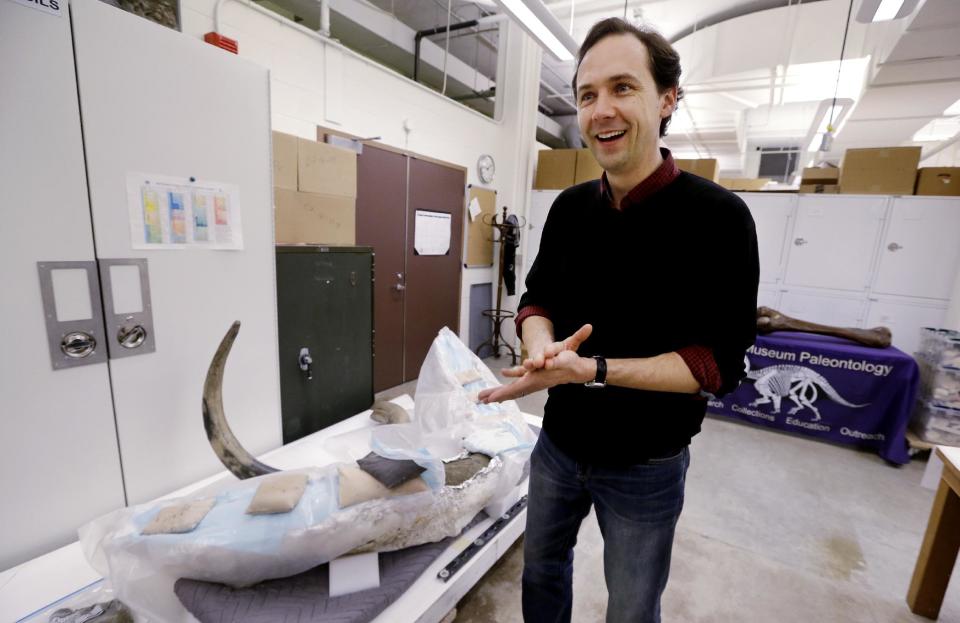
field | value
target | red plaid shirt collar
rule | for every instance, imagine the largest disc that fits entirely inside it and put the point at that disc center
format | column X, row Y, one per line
column 663, row 175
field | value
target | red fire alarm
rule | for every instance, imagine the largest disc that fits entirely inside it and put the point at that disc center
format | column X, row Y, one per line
column 215, row 38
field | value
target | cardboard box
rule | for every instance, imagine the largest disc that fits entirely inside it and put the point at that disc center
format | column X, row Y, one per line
column 880, row 171
column 827, row 189
column 308, row 218
column 707, row 168
column 285, row 161
column 938, row 181
column 326, row 169
column 820, row 175
column 556, row 169
column 743, row 184
column 588, row 168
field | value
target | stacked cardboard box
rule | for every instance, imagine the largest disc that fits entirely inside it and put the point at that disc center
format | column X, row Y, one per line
column 562, row 168
column 707, row 168
column 315, row 192
column 743, row 184
column 879, row 171
column 820, row 180
column 938, row 181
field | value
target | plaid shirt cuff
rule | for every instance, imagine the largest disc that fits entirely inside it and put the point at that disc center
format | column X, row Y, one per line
column 526, row 312
column 703, row 367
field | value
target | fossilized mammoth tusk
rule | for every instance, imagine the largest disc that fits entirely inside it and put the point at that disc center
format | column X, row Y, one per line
column 240, row 462
column 769, row 320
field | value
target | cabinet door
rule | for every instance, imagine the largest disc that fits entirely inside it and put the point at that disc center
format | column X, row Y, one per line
column 768, row 297
column 823, row 308
column 904, row 319
column 325, row 310
column 772, row 214
column 834, row 241
column 920, row 253
column 158, row 102
column 58, row 443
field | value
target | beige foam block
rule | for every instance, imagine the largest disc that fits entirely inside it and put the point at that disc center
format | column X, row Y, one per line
column 180, row 518
column 358, row 486
column 278, row 493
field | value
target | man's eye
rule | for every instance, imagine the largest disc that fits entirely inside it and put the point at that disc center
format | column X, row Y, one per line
column 623, row 88
column 586, row 97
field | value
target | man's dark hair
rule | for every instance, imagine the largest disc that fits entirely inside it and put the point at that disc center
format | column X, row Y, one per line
column 664, row 60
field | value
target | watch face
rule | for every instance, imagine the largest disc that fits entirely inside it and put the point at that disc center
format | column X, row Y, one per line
column 485, row 168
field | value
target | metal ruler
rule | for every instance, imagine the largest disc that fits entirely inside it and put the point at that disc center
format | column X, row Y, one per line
column 463, row 557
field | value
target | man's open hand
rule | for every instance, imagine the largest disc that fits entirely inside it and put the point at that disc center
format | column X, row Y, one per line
column 557, row 364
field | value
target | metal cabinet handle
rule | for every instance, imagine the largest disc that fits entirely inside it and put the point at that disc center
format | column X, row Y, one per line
column 78, row 344
column 893, row 246
column 131, row 336
column 306, row 362
column 799, row 242
column 399, row 287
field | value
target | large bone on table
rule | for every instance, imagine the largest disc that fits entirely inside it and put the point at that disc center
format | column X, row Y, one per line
column 770, row 320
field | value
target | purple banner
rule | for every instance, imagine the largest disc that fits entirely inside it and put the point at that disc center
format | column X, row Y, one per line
column 829, row 388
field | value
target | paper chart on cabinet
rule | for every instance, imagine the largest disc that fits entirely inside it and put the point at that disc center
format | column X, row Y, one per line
column 168, row 212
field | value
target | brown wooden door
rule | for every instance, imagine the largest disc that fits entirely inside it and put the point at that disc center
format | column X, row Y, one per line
column 433, row 281
column 381, row 224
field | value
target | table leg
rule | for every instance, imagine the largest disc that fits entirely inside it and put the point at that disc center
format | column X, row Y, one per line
column 937, row 554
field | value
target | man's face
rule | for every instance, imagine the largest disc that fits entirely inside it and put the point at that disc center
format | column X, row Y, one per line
column 619, row 106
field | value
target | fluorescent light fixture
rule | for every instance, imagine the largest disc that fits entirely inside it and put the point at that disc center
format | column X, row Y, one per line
column 887, row 10
column 938, row 130
column 884, row 10
column 542, row 25
column 953, row 110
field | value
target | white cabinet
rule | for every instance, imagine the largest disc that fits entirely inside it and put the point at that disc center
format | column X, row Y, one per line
column 905, row 318
column 540, row 202
column 823, row 307
column 772, row 214
column 834, row 241
column 920, row 251
column 58, row 446
column 77, row 442
column 768, row 297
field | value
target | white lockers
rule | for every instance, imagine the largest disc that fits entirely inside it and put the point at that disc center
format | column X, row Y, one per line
column 859, row 260
column 844, row 260
column 80, row 441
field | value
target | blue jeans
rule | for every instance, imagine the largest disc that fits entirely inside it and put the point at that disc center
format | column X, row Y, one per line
column 637, row 509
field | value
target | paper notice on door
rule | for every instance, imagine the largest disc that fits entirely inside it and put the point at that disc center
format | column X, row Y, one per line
column 432, row 233
column 474, row 209
column 179, row 213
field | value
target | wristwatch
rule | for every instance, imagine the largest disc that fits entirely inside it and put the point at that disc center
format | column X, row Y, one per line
column 601, row 379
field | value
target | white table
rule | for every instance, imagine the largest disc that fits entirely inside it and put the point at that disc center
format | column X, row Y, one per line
column 30, row 589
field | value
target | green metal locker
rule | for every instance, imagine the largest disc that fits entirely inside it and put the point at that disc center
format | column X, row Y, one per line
column 325, row 316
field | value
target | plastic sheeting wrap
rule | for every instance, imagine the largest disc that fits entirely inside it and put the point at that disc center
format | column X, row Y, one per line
column 232, row 547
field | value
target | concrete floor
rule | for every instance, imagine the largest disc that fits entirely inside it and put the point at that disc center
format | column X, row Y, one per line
column 775, row 527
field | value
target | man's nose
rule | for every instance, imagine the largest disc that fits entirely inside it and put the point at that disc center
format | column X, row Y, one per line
column 603, row 108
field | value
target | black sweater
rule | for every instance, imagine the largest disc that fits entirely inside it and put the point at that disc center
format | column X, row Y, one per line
column 677, row 269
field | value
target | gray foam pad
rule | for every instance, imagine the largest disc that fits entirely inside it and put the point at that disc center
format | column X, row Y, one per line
column 305, row 598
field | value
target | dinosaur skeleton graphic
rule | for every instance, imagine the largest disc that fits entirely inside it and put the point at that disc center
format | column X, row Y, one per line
column 800, row 384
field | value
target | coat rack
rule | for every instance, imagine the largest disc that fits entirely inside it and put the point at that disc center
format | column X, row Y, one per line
column 498, row 314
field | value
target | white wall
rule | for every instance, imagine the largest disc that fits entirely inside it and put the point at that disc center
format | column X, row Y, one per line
column 314, row 82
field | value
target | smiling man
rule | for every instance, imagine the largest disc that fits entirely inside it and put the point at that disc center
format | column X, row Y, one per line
column 651, row 276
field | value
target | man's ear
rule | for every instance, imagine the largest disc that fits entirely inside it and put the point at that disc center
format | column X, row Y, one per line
column 668, row 102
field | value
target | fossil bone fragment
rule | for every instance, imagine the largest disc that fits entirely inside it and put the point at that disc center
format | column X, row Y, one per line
column 770, row 320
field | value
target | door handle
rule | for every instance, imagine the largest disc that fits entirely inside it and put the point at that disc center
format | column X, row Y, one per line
column 799, row 242
column 399, row 287
column 893, row 246
column 131, row 336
